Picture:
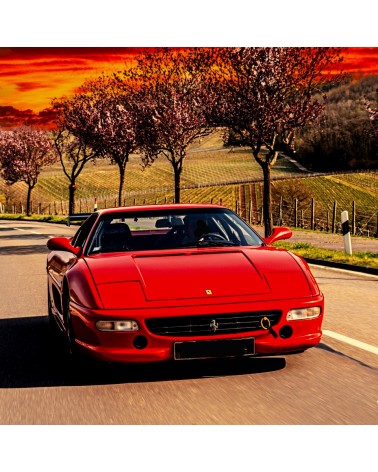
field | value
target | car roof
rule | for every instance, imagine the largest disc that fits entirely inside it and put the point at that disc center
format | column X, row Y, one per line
column 167, row 207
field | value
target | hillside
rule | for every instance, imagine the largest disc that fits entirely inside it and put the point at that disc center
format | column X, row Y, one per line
column 212, row 173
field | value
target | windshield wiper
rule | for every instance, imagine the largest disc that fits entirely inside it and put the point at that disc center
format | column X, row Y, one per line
column 216, row 243
column 208, row 244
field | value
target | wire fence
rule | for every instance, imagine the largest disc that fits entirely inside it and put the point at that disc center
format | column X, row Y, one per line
column 310, row 215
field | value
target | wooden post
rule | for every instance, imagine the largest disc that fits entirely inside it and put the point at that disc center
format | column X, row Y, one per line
column 334, row 217
column 353, row 217
column 295, row 213
column 312, row 213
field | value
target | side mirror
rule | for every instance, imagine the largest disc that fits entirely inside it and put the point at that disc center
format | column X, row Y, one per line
column 63, row 244
column 278, row 234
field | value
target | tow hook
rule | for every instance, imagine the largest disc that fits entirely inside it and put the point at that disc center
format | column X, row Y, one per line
column 265, row 324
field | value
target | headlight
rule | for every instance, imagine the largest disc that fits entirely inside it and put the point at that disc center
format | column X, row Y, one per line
column 303, row 313
column 122, row 325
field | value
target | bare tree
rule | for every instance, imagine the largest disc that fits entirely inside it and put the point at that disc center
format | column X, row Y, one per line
column 73, row 155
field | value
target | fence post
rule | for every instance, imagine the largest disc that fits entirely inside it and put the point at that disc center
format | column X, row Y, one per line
column 295, row 213
column 334, row 217
column 353, row 217
column 312, row 213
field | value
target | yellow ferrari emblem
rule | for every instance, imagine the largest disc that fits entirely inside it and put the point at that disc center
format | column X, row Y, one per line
column 209, row 292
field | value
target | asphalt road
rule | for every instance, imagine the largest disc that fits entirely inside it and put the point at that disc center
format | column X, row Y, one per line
column 332, row 384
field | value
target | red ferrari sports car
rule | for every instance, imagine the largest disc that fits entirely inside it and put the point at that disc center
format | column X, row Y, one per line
column 152, row 283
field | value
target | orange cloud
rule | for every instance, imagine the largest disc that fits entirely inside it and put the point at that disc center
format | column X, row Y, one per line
column 361, row 61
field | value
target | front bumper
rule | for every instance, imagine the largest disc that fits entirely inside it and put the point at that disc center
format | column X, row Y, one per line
column 143, row 346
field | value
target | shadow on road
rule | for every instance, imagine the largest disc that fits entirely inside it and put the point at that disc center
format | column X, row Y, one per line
column 330, row 349
column 29, row 247
column 32, row 357
column 23, row 250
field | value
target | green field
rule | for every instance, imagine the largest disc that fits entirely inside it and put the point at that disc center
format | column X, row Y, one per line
column 212, row 173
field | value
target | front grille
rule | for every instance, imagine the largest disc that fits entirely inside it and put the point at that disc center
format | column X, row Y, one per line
column 205, row 325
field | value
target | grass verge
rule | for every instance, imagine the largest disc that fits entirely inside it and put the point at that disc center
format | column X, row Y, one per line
column 305, row 250
column 43, row 218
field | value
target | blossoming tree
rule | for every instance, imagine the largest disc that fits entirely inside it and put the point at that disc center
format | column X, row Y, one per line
column 266, row 94
column 23, row 153
column 171, row 101
column 102, row 117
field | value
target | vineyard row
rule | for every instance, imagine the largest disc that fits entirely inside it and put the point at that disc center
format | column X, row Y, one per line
column 245, row 200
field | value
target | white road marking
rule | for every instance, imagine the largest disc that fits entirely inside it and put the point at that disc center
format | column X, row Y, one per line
column 351, row 341
column 27, row 231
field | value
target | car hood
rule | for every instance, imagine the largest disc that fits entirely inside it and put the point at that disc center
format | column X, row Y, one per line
column 200, row 274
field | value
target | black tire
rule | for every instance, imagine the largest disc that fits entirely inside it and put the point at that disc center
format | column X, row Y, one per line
column 53, row 327
column 76, row 360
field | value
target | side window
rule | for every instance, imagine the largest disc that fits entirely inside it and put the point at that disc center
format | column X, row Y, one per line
column 84, row 230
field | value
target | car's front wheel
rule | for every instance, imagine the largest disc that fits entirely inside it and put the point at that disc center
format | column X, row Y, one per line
column 74, row 357
column 69, row 338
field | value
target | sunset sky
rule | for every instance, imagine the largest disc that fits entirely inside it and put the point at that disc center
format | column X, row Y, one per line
column 31, row 77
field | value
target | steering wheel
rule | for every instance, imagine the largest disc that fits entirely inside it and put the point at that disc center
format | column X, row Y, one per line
column 212, row 237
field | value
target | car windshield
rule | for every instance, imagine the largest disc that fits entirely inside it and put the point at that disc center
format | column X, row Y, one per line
column 170, row 229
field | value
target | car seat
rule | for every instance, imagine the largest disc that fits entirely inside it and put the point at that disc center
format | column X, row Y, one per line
column 116, row 237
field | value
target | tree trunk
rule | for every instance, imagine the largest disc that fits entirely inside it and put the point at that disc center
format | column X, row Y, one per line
column 177, row 185
column 267, row 201
column 28, row 199
column 177, row 168
column 71, row 203
column 122, row 169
